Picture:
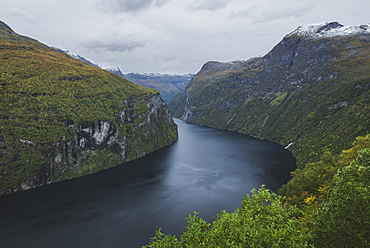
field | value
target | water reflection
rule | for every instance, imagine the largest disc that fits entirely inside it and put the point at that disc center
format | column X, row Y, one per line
column 206, row 170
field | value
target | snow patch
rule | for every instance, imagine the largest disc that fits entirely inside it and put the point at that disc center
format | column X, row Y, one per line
column 111, row 68
column 70, row 54
column 329, row 29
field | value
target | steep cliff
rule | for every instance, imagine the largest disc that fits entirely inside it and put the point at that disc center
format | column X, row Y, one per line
column 62, row 118
column 310, row 92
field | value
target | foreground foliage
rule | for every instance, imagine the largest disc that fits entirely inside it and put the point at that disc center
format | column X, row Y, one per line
column 343, row 218
column 261, row 221
column 335, row 214
column 308, row 183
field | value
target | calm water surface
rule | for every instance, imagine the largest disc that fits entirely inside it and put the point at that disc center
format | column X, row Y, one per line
column 206, row 170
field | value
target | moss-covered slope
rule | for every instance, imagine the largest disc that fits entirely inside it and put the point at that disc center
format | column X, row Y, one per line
column 311, row 92
column 61, row 118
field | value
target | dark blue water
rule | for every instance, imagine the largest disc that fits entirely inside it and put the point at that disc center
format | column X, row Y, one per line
column 206, row 170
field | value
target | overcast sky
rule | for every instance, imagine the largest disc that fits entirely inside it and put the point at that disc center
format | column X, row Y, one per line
column 171, row 36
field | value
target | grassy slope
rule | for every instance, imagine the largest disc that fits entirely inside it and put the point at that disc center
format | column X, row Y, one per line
column 311, row 117
column 41, row 90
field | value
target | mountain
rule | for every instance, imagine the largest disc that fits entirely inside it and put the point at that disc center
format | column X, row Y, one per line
column 167, row 84
column 309, row 93
column 62, row 118
column 115, row 70
column 75, row 56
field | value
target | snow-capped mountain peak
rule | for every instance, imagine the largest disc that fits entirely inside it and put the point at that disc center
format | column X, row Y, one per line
column 114, row 69
column 329, row 29
column 71, row 54
column 110, row 68
column 75, row 56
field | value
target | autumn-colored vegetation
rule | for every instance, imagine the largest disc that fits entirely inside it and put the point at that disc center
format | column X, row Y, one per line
column 317, row 100
column 327, row 204
column 45, row 93
column 311, row 95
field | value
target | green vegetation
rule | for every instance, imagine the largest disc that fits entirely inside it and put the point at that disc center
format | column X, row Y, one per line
column 308, row 182
column 343, row 217
column 261, row 221
column 317, row 101
column 97, row 161
column 46, row 96
column 46, row 84
column 312, row 94
column 336, row 215
column 177, row 104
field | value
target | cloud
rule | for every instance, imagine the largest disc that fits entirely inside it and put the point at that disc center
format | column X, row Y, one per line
column 271, row 10
column 21, row 14
column 210, row 5
column 171, row 35
column 131, row 5
column 113, row 46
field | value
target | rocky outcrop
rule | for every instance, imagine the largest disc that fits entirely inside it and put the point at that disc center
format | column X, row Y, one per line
column 62, row 118
column 309, row 91
column 150, row 130
column 91, row 146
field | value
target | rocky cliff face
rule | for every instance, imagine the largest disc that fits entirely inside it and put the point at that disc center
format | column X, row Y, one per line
column 309, row 91
column 62, row 118
column 96, row 145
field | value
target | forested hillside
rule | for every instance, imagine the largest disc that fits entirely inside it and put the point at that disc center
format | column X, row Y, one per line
column 62, row 118
column 333, row 210
column 310, row 92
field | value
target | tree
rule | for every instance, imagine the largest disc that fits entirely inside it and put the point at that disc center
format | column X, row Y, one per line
column 307, row 182
column 261, row 221
column 343, row 218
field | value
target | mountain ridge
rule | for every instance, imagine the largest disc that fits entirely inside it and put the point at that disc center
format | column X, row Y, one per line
column 167, row 84
column 62, row 118
column 329, row 29
column 301, row 87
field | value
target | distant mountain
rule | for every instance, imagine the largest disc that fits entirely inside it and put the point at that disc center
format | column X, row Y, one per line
column 167, row 84
column 75, row 56
column 309, row 93
column 115, row 70
column 61, row 118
